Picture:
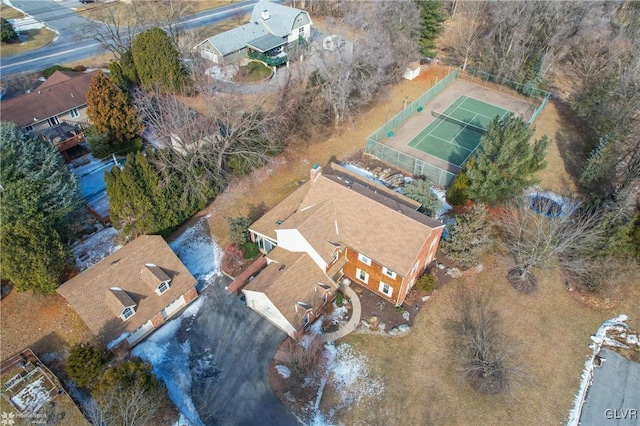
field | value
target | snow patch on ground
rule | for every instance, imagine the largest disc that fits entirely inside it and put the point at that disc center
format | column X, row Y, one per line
column 444, row 206
column 119, row 339
column 587, row 373
column 362, row 172
column 350, row 377
column 199, row 253
column 347, row 372
column 283, row 370
column 170, row 360
column 338, row 314
column 96, row 247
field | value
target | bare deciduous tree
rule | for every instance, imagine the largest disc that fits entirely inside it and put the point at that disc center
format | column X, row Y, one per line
column 229, row 136
column 116, row 26
column 538, row 239
column 304, row 363
column 125, row 405
column 465, row 34
column 484, row 352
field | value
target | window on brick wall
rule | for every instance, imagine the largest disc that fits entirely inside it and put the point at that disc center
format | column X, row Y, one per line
column 388, row 272
column 385, row 289
column 364, row 259
column 362, row 275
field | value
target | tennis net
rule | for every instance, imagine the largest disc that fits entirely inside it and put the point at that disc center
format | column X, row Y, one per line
column 469, row 126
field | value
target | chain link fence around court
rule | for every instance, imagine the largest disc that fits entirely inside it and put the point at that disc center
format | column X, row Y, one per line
column 402, row 160
column 528, row 90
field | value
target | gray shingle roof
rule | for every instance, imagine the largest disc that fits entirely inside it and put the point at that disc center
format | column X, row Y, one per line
column 236, row 38
column 281, row 18
column 266, row 43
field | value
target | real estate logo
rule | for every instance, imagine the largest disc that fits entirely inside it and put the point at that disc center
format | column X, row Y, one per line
column 8, row 419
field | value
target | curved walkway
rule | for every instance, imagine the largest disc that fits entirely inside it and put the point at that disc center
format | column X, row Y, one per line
column 353, row 321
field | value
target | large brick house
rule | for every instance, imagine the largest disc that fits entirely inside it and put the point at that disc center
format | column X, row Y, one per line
column 131, row 293
column 338, row 226
column 56, row 111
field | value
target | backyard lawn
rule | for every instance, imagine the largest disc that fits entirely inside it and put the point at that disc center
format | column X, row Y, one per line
column 422, row 383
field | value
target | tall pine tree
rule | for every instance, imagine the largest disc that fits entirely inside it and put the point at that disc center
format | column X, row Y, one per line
column 469, row 238
column 138, row 202
column 432, row 16
column 112, row 115
column 506, row 161
column 37, row 193
column 158, row 62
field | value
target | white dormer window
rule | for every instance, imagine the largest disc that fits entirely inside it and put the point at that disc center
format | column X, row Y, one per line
column 388, row 272
column 364, row 259
column 164, row 286
column 127, row 313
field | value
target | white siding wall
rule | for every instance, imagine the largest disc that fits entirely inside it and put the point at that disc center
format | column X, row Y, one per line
column 292, row 240
column 260, row 303
column 293, row 36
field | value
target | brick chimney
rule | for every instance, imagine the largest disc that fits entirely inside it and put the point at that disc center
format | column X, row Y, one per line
column 316, row 171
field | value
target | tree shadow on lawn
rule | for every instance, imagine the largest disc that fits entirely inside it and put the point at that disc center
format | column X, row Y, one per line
column 573, row 143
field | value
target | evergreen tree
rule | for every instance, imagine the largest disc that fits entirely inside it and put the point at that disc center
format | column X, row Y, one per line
column 506, row 161
column 34, row 179
column 37, row 193
column 420, row 190
column 469, row 238
column 457, row 192
column 86, row 364
column 7, row 32
column 112, row 115
column 138, row 202
column 33, row 255
column 115, row 69
column 158, row 62
column 433, row 16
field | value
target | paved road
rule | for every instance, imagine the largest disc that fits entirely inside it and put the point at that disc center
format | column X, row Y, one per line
column 71, row 46
column 231, row 347
column 614, row 397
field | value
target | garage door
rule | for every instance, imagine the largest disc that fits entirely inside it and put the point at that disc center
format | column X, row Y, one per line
column 173, row 307
column 142, row 331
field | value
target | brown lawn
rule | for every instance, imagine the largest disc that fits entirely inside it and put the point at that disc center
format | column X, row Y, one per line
column 43, row 323
column 423, row 385
column 35, row 39
column 95, row 10
column 8, row 12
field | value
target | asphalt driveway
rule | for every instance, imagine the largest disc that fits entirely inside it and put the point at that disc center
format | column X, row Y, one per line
column 231, row 347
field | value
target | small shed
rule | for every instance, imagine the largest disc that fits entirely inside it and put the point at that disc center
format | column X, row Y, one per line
column 412, row 71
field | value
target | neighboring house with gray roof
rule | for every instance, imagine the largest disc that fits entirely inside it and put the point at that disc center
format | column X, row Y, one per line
column 131, row 293
column 337, row 226
column 272, row 30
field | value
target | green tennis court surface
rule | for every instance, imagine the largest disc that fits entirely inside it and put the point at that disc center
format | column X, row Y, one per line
column 456, row 132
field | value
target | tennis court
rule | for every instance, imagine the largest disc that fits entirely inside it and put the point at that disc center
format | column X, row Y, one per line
column 456, row 132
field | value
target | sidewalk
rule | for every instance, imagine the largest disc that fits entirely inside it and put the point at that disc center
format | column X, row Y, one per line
column 353, row 321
